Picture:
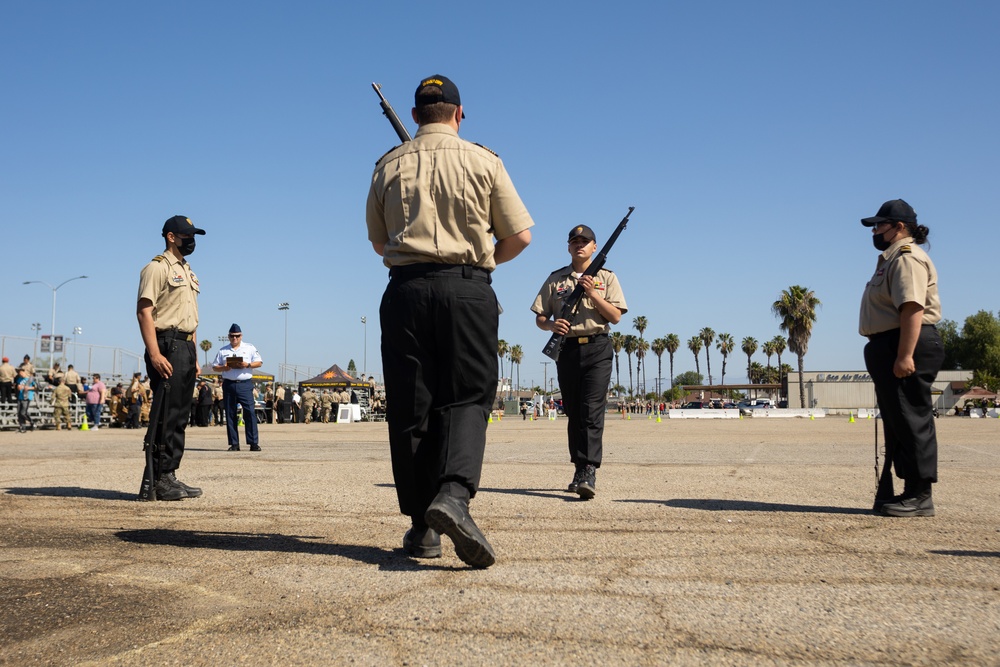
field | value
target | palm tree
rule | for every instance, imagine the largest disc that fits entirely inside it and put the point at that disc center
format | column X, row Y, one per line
column 796, row 308
column 707, row 336
column 641, row 347
column 617, row 343
column 639, row 323
column 673, row 344
column 768, row 349
column 725, row 346
column 659, row 346
column 516, row 355
column 749, row 346
column 205, row 345
column 756, row 373
column 779, row 347
column 695, row 346
column 502, row 349
column 631, row 342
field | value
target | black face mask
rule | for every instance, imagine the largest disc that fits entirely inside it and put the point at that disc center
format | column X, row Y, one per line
column 186, row 246
column 878, row 240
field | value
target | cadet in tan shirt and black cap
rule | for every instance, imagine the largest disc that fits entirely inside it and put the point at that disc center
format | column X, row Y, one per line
column 434, row 208
column 167, row 311
column 584, row 364
column 904, row 354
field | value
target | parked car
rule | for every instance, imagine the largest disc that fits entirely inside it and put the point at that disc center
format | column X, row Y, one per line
column 693, row 405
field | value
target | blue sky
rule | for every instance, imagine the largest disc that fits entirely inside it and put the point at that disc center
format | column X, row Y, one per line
column 750, row 137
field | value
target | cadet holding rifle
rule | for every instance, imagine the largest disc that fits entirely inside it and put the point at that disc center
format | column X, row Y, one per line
column 584, row 362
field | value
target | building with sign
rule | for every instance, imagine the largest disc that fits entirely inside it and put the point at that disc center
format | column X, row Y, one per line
column 844, row 391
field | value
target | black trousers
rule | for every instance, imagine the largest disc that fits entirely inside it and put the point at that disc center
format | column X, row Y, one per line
column 7, row 392
column 905, row 403
column 176, row 398
column 584, row 375
column 439, row 356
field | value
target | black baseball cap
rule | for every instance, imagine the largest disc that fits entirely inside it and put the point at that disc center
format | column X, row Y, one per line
column 894, row 210
column 180, row 224
column 449, row 92
column 581, row 230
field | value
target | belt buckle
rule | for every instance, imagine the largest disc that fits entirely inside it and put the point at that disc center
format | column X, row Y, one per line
column 583, row 340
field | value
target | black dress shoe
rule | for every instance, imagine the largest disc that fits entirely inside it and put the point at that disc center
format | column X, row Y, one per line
column 422, row 542
column 577, row 478
column 233, row 448
column 254, row 448
column 450, row 516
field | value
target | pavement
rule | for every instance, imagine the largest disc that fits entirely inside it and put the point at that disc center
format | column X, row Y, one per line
column 723, row 542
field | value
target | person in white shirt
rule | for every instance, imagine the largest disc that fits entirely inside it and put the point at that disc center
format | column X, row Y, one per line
column 236, row 362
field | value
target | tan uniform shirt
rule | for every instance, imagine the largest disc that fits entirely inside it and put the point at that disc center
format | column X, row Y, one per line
column 60, row 396
column 7, row 373
column 903, row 273
column 560, row 284
column 72, row 378
column 442, row 199
column 172, row 288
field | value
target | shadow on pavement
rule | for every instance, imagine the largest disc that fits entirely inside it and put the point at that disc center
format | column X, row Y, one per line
column 718, row 505
column 72, row 492
column 973, row 554
column 386, row 559
column 538, row 493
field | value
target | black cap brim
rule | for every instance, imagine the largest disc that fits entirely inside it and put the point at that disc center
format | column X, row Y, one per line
column 872, row 221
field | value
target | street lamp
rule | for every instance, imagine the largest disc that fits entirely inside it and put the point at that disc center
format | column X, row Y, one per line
column 77, row 332
column 36, row 327
column 364, row 321
column 52, row 340
column 284, row 306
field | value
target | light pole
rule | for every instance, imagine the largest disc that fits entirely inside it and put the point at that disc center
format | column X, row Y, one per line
column 36, row 327
column 77, row 332
column 364, row 321
column 284, row 306
column 52, row 339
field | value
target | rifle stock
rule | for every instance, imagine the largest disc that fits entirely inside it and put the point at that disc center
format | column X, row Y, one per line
column 389, row 113
column 553, row 347
column 152, row 442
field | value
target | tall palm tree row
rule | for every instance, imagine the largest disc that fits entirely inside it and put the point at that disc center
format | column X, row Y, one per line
column 796, row 310
column 725, row 346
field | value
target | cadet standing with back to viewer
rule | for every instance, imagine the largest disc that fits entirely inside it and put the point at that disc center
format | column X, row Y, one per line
column 167, row 311
column 899, row 311
column 584, row 364
column 434, row 207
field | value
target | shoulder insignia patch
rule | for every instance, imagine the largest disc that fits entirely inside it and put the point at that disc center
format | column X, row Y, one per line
column 489, row 150
column 158, row 258
column 386, row 153
column 905, row 250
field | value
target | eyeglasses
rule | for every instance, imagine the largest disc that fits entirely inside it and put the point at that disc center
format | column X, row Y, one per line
column 235, row 335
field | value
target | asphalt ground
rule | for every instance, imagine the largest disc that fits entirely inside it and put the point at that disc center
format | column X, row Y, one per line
column 724, row 542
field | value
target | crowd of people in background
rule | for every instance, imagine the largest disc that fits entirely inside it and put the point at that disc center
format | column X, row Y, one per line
column 127, row 404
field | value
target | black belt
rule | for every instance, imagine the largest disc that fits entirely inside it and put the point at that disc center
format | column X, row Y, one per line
column 174, row 334
column 583, row 340
column 894, row 332
column 224, row 380
column 410, row 271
